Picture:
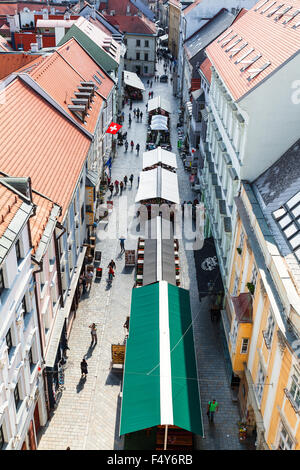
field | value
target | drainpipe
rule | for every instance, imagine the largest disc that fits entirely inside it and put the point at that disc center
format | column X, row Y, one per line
column 61, row 227
column 40, row 265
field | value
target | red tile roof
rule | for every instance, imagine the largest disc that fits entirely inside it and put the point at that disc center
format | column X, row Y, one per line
column 119, row 6
column 73, row 53
column 11, row 62
column 205, row 68
column 61, row 81
column 10, row 8
column 132, row 24
column 39, row 221
column 5, row 45
column 267, row 34
column 241, row 13
column 10, row 203
column 45, row 145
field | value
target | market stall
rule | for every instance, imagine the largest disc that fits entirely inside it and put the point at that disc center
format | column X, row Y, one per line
column 159, row 157
column 160, row 387
column 159, row 106
column 158, row 186
column 158, row 133
column 133, row 86
column 157, row 254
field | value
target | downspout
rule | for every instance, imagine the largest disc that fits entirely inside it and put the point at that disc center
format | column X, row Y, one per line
column 40, row 265
column 61, row 227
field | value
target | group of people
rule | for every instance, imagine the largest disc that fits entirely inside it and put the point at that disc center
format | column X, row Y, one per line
column 86, row 280
column 150, row 94
column 120, row 185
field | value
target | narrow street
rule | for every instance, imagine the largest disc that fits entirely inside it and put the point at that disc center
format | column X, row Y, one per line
column 88, row 414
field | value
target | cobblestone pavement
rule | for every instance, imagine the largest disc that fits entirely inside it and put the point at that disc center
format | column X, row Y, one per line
column 88, row 414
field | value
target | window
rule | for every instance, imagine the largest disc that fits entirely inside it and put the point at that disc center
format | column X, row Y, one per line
column 18, row 251
column 235, row 285
column 2, row 286
column 9, row 341
column 233, row 335
column 285, row 442
column 260, row 383
column 268, row 333
column 30, row 359
column 24, row 306
column 241, row 243
column 2, row 440
column 295, row 390
column 82, row 213
column 137, row 56
column 17, row 396
column 254, row 275
column 146, row 43
column 138, row 43
column 146, row 56
column 245, row 344
column 146, row 69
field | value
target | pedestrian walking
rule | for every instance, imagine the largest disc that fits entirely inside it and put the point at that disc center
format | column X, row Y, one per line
column 122, row 244
column 148, row 82
column 138, row 181
column 126, row 146
column 134, row 112
column 125, row 181
column 121, row 187
column 130, row 106
column 138, row 113
column 117, row 186
column 111, row 186
column 93, row 333
column 146, row 106
column 112, row 264
column 89, row 279
column 141, row 115
column 122, row 116
column 149, row 94
column 132, row 145
column 83, row 283
column 131, row 179
column 212, row 408
column 84, row 369
column 151, row 83
column 137, row 148
column 129, row 119
column 111, row 274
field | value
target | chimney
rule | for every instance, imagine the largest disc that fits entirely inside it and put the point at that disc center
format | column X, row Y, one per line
column 34, row 47
column 39, row 40
column 45, row 14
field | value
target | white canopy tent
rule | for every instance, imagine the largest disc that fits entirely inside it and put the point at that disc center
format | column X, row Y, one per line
column 159, row 102
column 159, row 122
column 158, row 183
column 159, row 155
column 133, row 80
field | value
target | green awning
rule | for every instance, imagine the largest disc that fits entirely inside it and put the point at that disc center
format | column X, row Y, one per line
column 160, row 377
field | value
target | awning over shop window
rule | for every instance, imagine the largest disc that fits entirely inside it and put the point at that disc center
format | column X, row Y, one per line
column 159, row 155
column 160, row 375
column 158, row 183
column 243, row 307
column 133, row 80
column 159, row 103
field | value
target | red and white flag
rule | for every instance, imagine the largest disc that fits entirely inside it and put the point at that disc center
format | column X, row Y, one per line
column 113, row 128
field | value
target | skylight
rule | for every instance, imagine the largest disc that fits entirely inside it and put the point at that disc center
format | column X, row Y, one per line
column 97, row 79
column 275, row 9
column 291, row 17
column 261, row 5
column 228, row 40
column 267, row 8
column 225, row 35
column 244, row 56
column 282, row 13
column 288, row 220
column 233, row 44
column 255, row 72
column 238, row 49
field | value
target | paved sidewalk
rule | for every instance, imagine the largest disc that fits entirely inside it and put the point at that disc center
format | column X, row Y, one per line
column 88, row 415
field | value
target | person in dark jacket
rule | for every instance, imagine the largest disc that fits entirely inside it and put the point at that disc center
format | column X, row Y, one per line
column 84, row 369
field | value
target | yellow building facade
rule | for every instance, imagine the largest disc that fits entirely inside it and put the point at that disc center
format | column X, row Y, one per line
column 174, row 23
column 261, row 326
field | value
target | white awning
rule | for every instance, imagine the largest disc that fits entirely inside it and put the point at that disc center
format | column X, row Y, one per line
column 159, row 155
column 133, row 80
column 159, row 123
column 159, row 102
column 158, row 183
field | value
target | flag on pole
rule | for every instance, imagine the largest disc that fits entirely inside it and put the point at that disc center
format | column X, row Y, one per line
column 113, row 128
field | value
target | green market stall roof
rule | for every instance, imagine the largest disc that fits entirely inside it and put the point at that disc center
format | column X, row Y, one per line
column 160, row 375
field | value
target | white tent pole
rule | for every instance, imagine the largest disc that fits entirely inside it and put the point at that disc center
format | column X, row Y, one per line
column 166, row 436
